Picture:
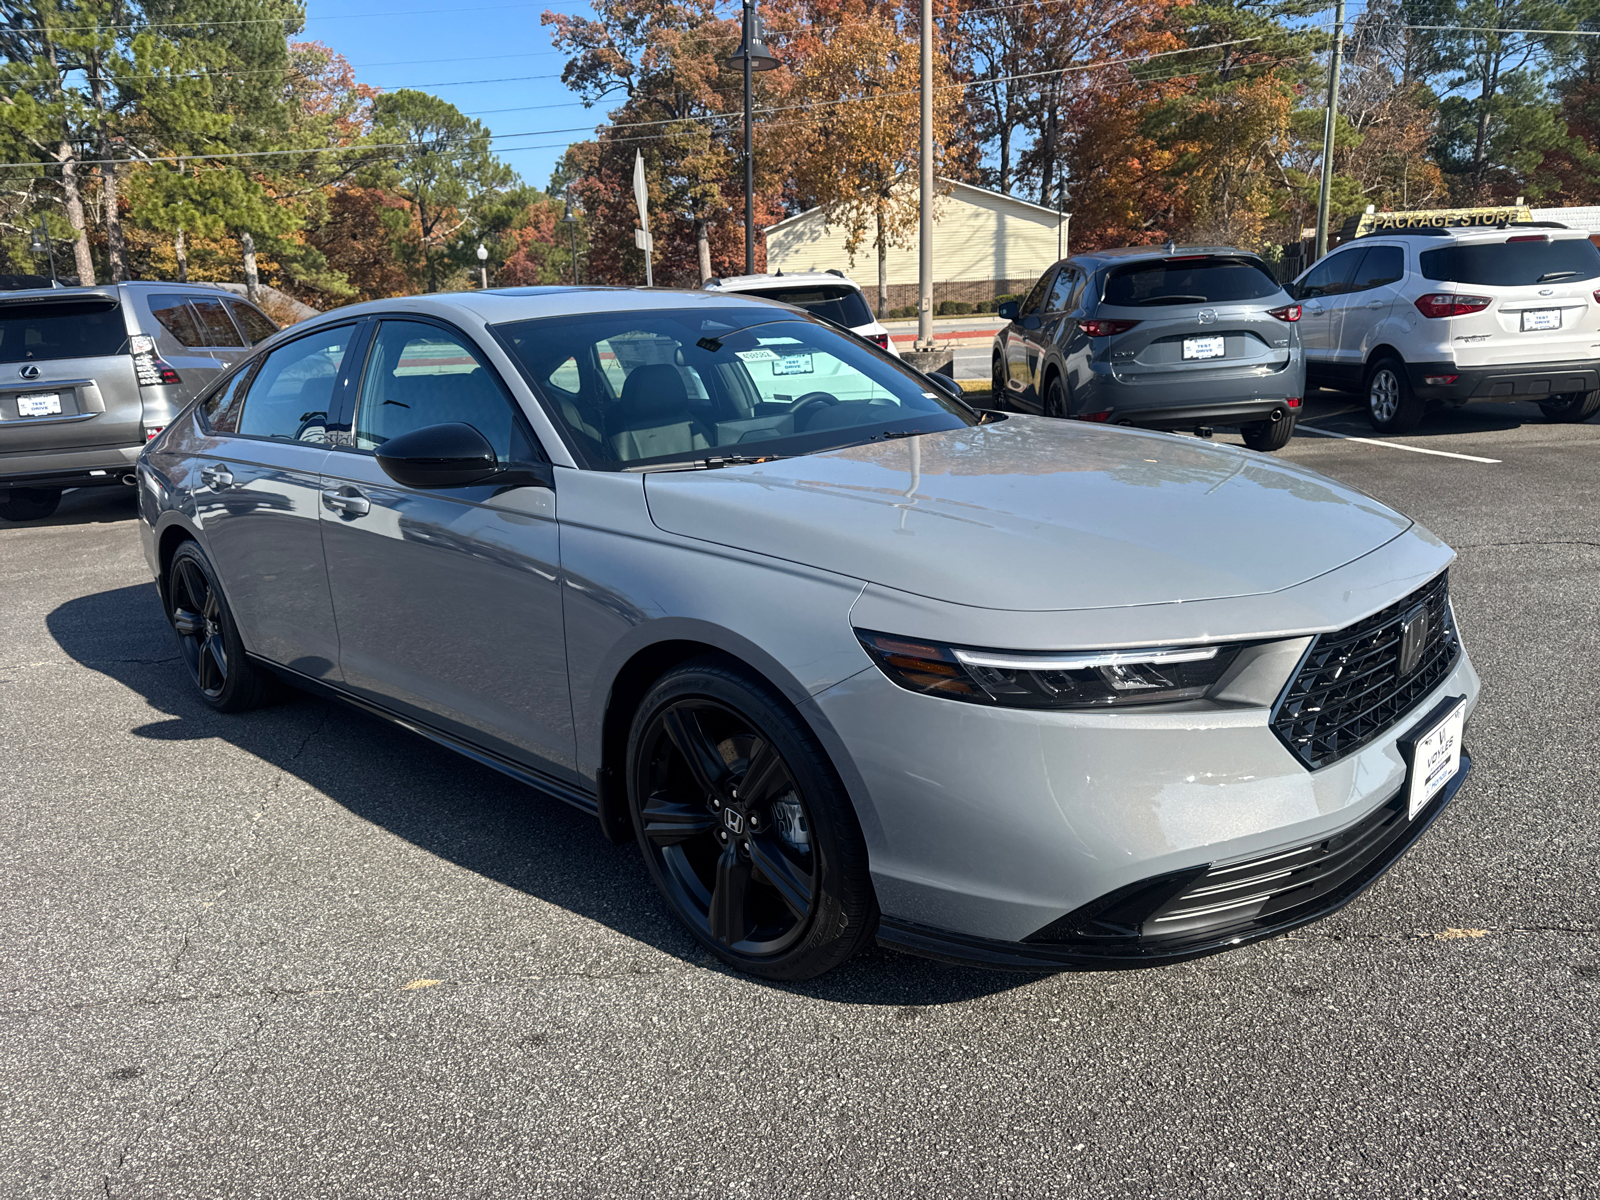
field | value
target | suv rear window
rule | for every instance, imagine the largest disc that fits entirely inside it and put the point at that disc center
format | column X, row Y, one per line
column 49, row 329
column 1206, row 279
column 841, row 305
column 1512, row 263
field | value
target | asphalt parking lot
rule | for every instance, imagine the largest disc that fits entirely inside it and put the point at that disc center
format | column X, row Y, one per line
column 301, row 953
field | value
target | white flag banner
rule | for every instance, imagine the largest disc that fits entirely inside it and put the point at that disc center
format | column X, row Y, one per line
column 641, row 197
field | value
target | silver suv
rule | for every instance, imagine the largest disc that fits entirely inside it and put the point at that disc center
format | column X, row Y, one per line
column 89, row 375
column 1426, row 318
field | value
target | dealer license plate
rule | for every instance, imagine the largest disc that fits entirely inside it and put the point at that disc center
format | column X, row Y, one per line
column 1435, row 759
column 39, row 406
column 1540, row 318
column 1206, row 347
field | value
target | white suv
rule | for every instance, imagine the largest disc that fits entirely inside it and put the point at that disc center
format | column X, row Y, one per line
column 831, row 295
column 1428, row 317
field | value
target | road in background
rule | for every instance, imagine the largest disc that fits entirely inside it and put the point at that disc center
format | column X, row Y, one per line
column 299, row 952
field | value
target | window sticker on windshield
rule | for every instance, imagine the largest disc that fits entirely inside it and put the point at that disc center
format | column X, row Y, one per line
column 792, row 364
column 756, row 355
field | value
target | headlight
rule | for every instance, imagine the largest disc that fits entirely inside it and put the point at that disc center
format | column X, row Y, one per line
column 1073, row 679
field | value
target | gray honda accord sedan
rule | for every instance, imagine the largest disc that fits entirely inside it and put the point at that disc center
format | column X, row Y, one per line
column 847, row 658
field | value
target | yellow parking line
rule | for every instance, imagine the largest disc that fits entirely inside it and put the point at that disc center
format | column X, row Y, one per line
column 1392, row 445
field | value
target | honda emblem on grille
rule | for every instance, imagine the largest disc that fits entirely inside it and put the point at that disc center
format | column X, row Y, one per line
column 1414, row 630
column 29, row 372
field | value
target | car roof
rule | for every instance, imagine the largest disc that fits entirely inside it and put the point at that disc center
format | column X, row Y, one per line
column 498, row 305
column 109, row 290
column 1481, row 233
column 734, row 283
column 1123, row 254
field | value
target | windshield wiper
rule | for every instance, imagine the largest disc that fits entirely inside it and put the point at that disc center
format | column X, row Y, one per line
column 1173, row 299
column 713, row 463
column 1549, row 275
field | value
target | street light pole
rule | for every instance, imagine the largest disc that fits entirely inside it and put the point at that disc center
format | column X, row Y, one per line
column 925, row 200
column 483, row 267
column 1330, row 122
column 571, row 222
column 41, row 242
column 752, row 56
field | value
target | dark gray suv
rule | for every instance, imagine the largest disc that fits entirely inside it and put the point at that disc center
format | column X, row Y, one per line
column 89, row 375
column 1177, row 338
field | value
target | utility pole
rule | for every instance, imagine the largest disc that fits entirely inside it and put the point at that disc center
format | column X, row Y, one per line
column 1330, row 124
column 752, row 55
column 925, row 200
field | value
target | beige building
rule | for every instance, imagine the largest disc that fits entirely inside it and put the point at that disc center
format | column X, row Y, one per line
column 984, row 245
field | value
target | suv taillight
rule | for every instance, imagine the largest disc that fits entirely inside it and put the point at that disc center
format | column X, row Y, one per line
column 1448, row 304
column 1289, row 312
column 1095, row 327
column 880, row 340
column 148, row 366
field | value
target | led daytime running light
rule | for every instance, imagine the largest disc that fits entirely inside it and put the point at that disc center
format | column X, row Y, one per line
column 1086, row 660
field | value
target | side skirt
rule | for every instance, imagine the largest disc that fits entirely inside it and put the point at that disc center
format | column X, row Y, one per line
column 526, row 775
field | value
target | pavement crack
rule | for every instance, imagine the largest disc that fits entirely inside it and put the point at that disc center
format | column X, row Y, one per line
column 1527, row 542
column 259, row 1021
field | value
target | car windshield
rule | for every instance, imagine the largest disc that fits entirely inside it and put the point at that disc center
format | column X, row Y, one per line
column 31, row 331
column 1197, row 279
column 1513, row 263
column 838, row 303
column 659, row 387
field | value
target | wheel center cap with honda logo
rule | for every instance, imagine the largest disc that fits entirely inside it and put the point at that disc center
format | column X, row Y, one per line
column 733, row 820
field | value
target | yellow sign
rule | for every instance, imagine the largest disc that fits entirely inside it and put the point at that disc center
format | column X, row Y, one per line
column 1439, row 218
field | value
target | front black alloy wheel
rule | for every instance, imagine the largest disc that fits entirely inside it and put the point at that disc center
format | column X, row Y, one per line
column 207, row 636
column 745, row 827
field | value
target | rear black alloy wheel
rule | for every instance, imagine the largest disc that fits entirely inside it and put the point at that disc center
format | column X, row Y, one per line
column 29, row 504
column 207, row 636
column 1055, row 398
column 1571, row 407
column 745, row 827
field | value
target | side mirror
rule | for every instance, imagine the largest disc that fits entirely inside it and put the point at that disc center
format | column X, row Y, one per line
column 438, row 456
column 1007, row 311
column 946, row 384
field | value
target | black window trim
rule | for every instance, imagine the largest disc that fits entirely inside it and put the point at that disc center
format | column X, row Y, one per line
column 350, row 401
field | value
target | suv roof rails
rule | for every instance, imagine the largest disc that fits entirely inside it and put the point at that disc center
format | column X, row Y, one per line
column 1420, row 231
column 836, row 271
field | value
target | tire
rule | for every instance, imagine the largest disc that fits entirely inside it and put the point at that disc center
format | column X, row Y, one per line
column 1055, row 398
column 997, row 384
column 1573, row 407
column 29, row 504
column 773, row 883
column 1267, row 436
column 208, row 637
column 1392, row 407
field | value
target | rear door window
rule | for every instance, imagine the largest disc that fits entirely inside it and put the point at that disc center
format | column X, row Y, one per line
column 214, row 320
column 257, row 328
column 177, row 318
column 293, row 387
column 1203, row 279
column 1513, row 263
column 837, row 303
column 1061, row 292
column 47, row 329
column 1382, row 265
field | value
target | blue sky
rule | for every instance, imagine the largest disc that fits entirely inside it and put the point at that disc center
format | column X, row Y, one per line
column 477, row 55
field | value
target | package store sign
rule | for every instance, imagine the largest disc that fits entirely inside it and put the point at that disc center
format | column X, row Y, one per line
column 1443, row 218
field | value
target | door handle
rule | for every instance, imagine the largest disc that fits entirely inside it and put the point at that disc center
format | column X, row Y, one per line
column 216, row 478
column 346, row 502
column 1376, row 303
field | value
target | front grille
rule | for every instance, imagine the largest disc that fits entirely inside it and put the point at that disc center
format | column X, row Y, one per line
column 1349, row 689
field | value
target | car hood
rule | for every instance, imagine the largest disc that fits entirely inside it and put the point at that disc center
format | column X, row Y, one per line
column 1036, row 514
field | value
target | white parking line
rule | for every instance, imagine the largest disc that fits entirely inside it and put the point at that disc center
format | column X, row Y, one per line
column 1392, row 445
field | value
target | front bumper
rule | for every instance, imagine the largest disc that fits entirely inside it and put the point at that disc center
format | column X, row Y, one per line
column 1528, row 381
column 987, row 827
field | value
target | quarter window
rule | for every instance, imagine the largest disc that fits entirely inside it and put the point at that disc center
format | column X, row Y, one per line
column 293, row 389
column 420, row 375
column 221, row 411
column 256, row 326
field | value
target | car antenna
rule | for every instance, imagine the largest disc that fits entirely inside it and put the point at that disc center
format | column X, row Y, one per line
column 1172, row 246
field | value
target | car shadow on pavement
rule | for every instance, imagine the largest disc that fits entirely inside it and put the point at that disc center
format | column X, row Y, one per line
column 450, row 806
column 1471, row 418
column 87, row 506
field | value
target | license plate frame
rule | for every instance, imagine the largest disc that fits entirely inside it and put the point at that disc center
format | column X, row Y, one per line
column 1432, row 751
column 1198, row 349
column 1540, row 320
column 39, row 404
